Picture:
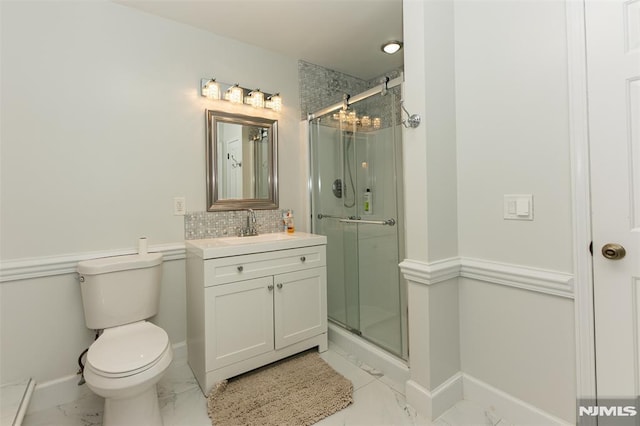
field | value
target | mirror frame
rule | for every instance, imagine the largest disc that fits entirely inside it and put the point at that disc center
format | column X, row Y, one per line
column 214, row 203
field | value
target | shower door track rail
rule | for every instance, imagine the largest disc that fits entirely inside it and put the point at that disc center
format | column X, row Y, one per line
column 388, row 84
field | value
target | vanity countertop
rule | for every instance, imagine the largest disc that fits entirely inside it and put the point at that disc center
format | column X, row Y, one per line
column 211, row 248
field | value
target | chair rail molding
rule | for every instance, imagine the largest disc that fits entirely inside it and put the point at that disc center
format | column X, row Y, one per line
column 523, row 277
column 430, row 273
column 37, row 267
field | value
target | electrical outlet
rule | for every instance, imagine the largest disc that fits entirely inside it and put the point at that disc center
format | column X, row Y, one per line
column 179, row 206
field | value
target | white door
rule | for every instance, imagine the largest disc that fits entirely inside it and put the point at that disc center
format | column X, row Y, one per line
column 613, row 69
column 233, row 168
column 300, row 306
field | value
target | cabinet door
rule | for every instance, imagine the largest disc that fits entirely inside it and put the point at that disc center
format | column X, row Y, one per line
column 300, row 305
column 239, row 321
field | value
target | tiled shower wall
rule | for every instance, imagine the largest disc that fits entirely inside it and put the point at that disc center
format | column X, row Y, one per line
column 198, row 225
column 321, row 87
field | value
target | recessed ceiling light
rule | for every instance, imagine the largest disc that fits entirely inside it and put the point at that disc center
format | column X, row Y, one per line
column 391, row 47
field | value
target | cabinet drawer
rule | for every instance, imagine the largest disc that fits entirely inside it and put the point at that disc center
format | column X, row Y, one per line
column 237, row 268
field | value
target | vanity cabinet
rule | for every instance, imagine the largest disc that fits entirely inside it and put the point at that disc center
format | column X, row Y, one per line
column 252, row 308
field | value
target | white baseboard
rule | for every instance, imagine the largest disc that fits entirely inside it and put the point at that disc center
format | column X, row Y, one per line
column 506, row 406
column 57, row 392
column 433, row 404
column 419, row 398
column 64, row 390
column 447, row 395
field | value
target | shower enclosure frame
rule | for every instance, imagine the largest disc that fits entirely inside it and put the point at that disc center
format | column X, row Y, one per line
column 344, row 105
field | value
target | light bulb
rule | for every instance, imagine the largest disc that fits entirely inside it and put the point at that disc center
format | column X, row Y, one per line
column 212, row 90
column 276, row 102
column 235, row 94
column 391, row 47
column 256, row 99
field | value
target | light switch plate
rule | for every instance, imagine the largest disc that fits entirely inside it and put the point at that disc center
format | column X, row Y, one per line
column 518, row 207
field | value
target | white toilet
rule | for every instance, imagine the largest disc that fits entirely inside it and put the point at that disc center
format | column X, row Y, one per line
column 124, row 364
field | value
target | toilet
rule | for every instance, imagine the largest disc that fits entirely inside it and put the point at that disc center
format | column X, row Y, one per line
column 126, row 362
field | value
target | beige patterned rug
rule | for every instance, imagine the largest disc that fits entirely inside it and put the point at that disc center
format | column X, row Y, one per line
column 297, row 391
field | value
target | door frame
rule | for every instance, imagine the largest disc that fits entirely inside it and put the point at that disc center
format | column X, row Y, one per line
column 581, row 200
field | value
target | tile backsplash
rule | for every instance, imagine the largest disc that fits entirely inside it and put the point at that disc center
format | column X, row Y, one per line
column 198, row 225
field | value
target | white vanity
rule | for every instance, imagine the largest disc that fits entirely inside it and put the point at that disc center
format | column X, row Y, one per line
column 252, row 301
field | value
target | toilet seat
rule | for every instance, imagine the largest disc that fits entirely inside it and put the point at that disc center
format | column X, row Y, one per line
column 127, row 350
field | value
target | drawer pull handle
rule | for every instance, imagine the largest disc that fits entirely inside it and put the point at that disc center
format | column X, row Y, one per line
column 303, row 259
column 279, row 285
column 240, row 268
column 270, row 287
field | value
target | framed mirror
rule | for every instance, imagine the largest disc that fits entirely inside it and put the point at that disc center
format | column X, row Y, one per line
column 242, row 165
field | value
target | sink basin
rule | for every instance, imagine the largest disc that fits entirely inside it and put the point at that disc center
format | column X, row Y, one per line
column 256, row 238
column 211, row 248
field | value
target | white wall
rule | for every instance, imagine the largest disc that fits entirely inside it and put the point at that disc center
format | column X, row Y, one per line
column 101, row 126
column 520, row 342
column 512, row 130
column 513, row 138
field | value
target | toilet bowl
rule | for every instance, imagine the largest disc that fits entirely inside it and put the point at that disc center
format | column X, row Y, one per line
column 123, row 366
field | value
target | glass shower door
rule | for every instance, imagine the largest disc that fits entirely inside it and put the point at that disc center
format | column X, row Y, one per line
column 355, row 203
column 334, row 200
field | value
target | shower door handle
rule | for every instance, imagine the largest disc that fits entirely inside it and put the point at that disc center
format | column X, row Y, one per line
column 389, row 222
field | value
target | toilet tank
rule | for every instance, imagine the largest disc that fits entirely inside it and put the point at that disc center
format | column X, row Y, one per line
column 121, row 289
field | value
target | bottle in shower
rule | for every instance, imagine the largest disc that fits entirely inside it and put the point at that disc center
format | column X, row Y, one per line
column 367, row 207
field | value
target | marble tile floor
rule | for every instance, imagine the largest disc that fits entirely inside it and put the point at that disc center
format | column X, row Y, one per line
column 378, row 401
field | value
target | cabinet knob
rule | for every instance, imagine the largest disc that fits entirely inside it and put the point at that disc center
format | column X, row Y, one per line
column 303, row 259
column 279, row 285
column 270, row 287
column 240, row 268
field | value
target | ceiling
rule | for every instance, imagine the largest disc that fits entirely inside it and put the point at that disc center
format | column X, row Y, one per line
column 343, row 35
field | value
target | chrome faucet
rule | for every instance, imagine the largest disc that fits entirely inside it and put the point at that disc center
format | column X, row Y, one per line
column 250, row 229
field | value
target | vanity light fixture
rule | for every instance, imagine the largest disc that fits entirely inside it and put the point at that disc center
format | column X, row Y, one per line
column 214, row 90
column 391, row 47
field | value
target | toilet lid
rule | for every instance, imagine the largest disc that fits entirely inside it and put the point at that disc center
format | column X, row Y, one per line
column 128, row 348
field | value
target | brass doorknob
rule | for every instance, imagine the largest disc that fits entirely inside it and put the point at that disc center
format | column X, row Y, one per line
column 613, row 251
